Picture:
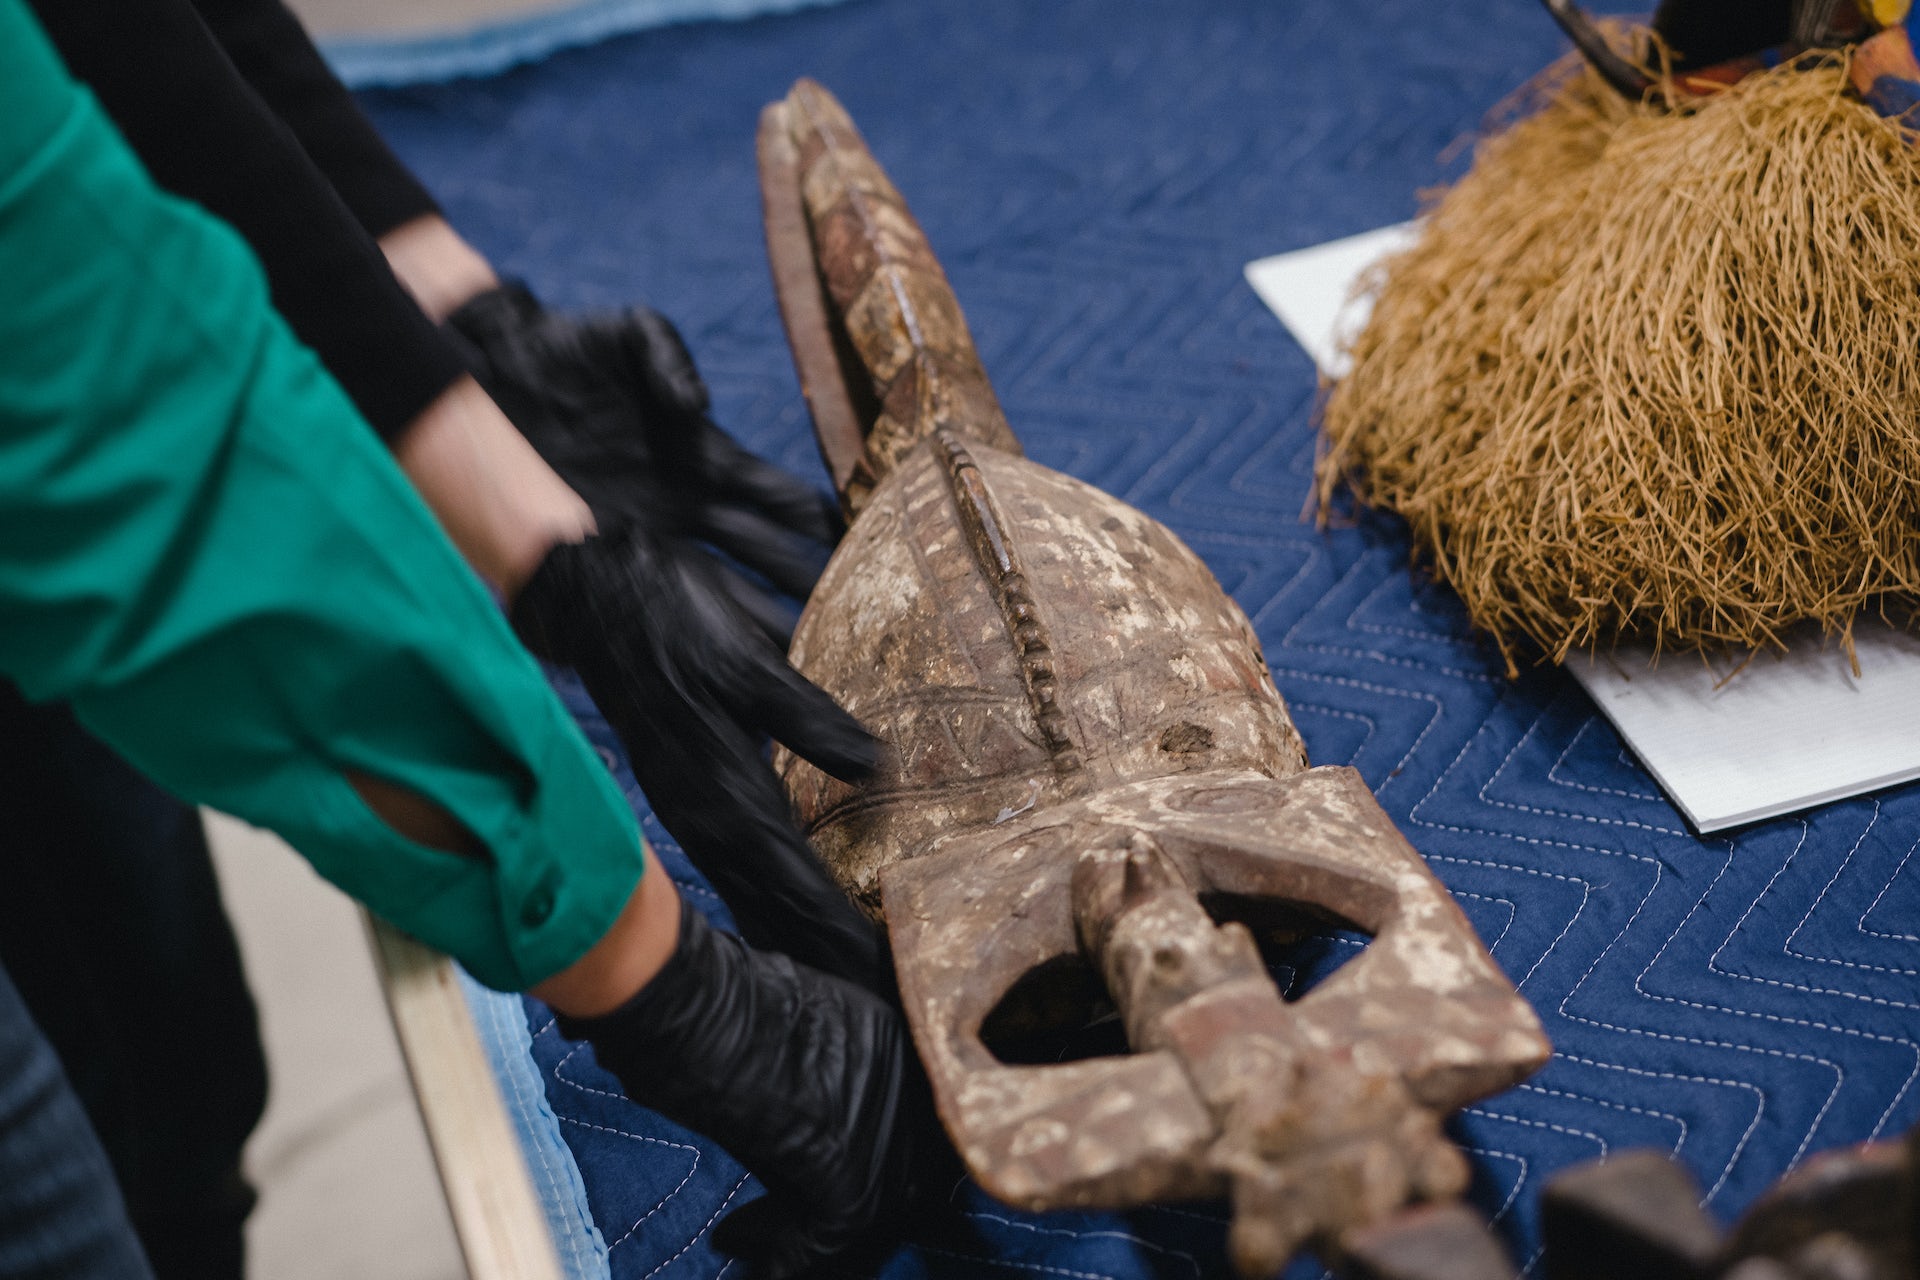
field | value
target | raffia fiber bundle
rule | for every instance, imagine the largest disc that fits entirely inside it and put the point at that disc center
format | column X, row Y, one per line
column 1655, row 376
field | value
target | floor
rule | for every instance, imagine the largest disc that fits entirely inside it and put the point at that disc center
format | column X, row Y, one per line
column 347, row 1183
column 383, row 17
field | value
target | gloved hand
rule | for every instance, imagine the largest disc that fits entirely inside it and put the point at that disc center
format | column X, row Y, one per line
column 810, row 1082
column 615, row 406
column 690, row 685
column 666, row 635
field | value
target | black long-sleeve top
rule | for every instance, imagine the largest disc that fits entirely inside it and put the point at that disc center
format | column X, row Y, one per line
column 229, row 105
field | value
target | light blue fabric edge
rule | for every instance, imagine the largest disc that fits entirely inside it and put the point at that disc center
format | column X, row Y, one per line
column 368, row 62
column 501, row 1021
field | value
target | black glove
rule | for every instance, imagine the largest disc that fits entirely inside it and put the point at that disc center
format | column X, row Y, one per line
column 615, row 406
column 810, row 1082
column 664, row 633
column 691, row 687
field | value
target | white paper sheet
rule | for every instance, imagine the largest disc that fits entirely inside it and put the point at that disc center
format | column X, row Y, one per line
column 1311, row 290
column 1787, row 732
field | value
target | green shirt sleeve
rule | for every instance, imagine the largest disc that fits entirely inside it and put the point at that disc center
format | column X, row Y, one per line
column 206, row 551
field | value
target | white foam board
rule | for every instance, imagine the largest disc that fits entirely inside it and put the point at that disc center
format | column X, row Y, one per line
column 1311, row 290
column 1729, row 744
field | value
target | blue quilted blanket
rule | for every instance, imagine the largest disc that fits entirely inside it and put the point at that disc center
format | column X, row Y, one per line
column 1094, row 173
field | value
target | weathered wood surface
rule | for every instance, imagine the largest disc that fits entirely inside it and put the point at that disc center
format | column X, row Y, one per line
column 1086, row 746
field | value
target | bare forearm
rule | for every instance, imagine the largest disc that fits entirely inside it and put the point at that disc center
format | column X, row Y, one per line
column 627, row 956
column 613, row 969
column 502, row 506
column 435, row 265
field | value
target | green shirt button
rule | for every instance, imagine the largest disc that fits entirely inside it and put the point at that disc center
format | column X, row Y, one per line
column 538, row 908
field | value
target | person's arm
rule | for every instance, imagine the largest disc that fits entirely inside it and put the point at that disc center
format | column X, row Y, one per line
column 276, row 56
column 502, row 506
column 237, row 590
column 612, row 409
column 227, row 576
column 206, row 135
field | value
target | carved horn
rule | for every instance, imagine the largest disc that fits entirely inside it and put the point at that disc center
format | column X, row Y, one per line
column 1626, row 78
column 884, row 353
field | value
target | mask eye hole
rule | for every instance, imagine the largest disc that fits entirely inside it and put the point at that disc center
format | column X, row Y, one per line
column 1059, row 1011
column 1303, row 945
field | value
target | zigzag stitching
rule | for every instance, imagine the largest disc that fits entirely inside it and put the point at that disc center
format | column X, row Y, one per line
column 1348, row 682
column 704, row 1228
column 1069, row 1232
column 1513, row 1193
column 1553, row 773
column 1527, row 1086
column 1839, row 1072
column 1550, row 813
column 552, row 1024
column 1408, row 633
column 1590, row 1136
column 1787, row 948
column 1884, row 891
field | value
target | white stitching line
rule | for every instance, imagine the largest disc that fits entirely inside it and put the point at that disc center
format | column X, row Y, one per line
column 1787, row 949
column 659, row 1142
column 1513, row 912
column 1553, row 774
column 1555, row 814
column 1288, row 639
column 1347, row 682
column 703, row 1229
column 1586, row 889
column 1885, row 890
column 1451, row 635
column 1839, row 1072
column 1867, row 1035
column 1336, row 713
column 1513, row 1193
column 1590, row 1136
column 1128, row 1236
column 638, row 1137
column 1563, row 1010
column 1586, row 893
column 1713, row 966
column 1759, row 1095
column 583, row 1088
column 1287, row 454
column 524, row 1110
column 1851, row 964
column 1010, row 1263
column 1651, row 1114
column 1639, row 987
